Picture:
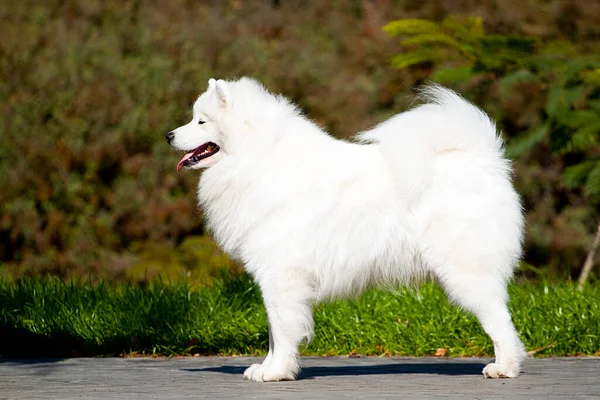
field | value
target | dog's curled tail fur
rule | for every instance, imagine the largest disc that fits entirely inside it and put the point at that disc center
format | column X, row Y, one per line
column 445, row 122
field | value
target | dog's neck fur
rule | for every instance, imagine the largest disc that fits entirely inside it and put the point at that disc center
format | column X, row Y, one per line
column 249, row 183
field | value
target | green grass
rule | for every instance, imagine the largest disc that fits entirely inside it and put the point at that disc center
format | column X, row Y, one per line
column 53, row 318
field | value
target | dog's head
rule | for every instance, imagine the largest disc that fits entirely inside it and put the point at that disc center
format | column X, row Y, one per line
column 203, row 138
column 231, row 118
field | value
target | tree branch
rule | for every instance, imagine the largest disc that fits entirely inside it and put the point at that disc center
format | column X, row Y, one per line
column 589, row 261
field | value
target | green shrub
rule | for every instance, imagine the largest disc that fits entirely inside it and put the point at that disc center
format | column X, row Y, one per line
column 88, row 89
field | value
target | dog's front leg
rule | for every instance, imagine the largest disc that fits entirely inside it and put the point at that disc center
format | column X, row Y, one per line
column 288, row 305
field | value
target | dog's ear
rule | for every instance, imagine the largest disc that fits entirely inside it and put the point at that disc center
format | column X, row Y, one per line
column 223, row 94
column 211, row 83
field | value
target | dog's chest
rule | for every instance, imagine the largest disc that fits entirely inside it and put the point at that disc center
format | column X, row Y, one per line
column 232, row 209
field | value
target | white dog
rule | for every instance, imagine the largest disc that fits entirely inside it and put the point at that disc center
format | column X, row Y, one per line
column 427, row 193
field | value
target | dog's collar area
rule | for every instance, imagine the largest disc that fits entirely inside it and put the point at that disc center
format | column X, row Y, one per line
column 198, row 154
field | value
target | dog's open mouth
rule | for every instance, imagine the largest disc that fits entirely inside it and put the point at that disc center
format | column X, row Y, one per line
column 200, row 153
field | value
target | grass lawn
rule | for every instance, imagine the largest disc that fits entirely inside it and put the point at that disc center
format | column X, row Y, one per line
column 52, row 318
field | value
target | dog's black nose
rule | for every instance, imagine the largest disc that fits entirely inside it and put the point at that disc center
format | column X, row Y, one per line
column 170, row 137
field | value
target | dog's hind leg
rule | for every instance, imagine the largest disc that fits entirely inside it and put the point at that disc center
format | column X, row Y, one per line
column 485, row 295
column 289, row 309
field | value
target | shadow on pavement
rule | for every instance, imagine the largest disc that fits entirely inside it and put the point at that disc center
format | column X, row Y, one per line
column 447, row 368
column 20, row 343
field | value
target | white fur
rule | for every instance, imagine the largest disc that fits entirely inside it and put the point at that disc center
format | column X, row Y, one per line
column 426, row 193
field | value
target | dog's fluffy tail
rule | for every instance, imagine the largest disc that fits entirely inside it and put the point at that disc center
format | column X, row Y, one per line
column 445, row 123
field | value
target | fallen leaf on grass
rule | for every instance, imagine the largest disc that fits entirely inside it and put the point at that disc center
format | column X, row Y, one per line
column 441, row 352
column 535, row 351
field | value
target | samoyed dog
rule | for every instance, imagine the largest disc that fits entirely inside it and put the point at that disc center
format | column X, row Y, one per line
column 427, row 193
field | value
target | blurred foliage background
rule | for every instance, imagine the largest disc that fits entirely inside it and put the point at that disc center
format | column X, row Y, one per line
column 88, row 187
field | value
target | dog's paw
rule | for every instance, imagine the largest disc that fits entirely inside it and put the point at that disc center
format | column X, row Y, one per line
column 258, row 373
column 250, row 371
column 496, row 371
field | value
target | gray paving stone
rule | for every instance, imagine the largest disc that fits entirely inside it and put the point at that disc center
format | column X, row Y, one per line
column 322, row 378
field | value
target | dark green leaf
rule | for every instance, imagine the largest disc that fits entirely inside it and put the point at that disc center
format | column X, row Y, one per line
column 453, row 74
column 592, row 184
column 518, row 77
column 526, row 141
column 555, row 98
column 575, row 175
column 407, row 59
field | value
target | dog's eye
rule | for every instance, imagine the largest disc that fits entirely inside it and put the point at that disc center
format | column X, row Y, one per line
column 200, row 122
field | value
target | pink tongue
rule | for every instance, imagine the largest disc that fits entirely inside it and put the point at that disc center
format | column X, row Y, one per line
column 186, row 157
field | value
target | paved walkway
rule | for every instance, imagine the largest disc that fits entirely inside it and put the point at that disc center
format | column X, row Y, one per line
column 322, row 378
